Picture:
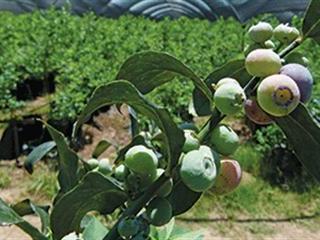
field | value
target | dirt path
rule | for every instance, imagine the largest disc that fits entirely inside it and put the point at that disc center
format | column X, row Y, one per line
column 228, row 230
column 14, row 233
column 214, row 231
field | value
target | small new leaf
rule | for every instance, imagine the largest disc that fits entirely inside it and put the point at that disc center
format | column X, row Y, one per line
column 102, row 146
column 37, row 154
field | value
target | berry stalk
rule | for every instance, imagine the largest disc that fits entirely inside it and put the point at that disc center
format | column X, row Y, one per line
column 291, row 47
column 212, row 122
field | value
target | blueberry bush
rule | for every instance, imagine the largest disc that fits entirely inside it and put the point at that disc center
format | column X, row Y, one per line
column 78, row 54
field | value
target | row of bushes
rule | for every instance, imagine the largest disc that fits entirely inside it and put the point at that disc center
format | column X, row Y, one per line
column 81, row 53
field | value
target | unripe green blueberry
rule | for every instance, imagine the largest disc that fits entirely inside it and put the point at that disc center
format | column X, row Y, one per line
column 278, row 95
column 226, row 81
column 261, row 32
column 93, row 163
column 286, row 34
column 269, row 44
column 207, row 150
column 166, row 188
column 104, row 166
column 140, row 236
column 132, row 181
column 302, row 77
column 191, row 142
column 255, row 113
column 198, row 169
column 297, row 57
column 128, row 227
column 146, row 180
column 120, row 172
column 224, row 140
column 229, row 98
column 144, row 229
column 229, row 177
column 263, row 62
column 141, row 159
column 159, row 211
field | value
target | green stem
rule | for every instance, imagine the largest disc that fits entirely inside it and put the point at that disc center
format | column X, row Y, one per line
column 137, row 206
column 202, row 134
column 291, row 47
column 279, row 47
column 250, row 85
column 213, row 121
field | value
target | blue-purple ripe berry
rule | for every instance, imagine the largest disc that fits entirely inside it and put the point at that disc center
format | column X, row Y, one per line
column 302, row 77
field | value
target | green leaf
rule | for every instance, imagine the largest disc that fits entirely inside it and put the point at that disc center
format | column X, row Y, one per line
column 311, row 21
column 102, row 146
column 134, row 124
column 94, row 230
column 23, row 208
column 68, row 161
column 303, row 134
column 194, row 235
column 125, row 92
column 94, row 193
column 233, row 69
column 182, row 198
column 149, row 70
column 37, row 154
column 44, row 216
column 9, row 216
column 183, row 233
column 163, row 232
column 26, row 207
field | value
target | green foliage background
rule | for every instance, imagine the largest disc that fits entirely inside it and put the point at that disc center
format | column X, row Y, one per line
column 85, row 52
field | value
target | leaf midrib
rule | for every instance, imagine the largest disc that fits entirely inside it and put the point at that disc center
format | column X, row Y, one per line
column 307, row 132
column 312, row 28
